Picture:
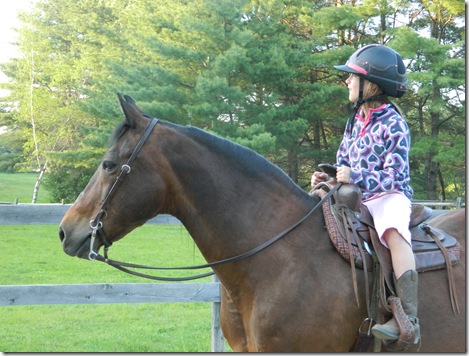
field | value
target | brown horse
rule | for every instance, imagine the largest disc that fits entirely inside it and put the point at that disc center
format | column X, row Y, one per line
column 297, row 294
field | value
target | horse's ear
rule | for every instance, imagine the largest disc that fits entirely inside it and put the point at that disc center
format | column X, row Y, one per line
column 131, row 111
column 129, row 100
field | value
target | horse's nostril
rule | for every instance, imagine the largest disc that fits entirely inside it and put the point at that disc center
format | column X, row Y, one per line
column 61, row 234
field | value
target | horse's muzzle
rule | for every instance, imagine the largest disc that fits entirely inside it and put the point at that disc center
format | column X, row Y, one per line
column 76, row 247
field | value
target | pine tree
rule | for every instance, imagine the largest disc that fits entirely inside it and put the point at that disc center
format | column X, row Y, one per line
column 259, row 72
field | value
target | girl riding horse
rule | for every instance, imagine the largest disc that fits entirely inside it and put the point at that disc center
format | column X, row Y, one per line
column 374, row 155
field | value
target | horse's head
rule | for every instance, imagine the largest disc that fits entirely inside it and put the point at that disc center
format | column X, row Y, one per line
column 115, row 209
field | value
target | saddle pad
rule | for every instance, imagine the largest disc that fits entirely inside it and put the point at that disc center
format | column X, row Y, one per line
column 339, row 242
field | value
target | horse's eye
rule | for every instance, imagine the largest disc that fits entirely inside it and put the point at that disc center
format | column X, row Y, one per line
column 109, row 165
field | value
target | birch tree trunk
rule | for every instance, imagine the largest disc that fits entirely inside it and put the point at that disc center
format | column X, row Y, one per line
column 38, row 183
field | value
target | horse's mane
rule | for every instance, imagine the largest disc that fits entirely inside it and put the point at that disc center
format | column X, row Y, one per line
column 251, row 161
column 120, row 130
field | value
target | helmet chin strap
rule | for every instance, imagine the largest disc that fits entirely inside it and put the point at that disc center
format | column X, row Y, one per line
column 360, row 102
column 361, row 87
column 356, row 106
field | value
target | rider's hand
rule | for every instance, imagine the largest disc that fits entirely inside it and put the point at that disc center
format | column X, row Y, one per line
column 343, row 174
column 318, row 177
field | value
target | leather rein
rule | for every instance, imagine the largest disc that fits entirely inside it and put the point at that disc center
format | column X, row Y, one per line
column 97, row 229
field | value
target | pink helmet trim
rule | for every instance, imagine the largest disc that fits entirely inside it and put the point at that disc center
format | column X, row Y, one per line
column 356, row 68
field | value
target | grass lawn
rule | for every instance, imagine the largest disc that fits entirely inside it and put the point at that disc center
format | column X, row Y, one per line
column 32, row 254
column 21, row 186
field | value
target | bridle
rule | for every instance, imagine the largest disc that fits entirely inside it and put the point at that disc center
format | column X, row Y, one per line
column 96, row 224
column 97, row 228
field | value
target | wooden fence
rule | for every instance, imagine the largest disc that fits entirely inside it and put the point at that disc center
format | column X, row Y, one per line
column 458, row 203
column 120, row 293
column 35, row 214
column 38, row 214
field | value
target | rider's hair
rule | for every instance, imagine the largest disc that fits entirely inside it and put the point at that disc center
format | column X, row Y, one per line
column 372, row 90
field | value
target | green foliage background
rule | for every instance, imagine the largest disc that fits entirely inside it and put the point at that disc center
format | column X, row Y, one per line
column 259, row 72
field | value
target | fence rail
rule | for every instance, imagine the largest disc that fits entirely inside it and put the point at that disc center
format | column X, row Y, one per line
column 53, row 294
column 48, row 294
column 39, row 214
column 458, row 203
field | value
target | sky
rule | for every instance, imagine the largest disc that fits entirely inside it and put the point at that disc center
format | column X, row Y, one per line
column 8, row 21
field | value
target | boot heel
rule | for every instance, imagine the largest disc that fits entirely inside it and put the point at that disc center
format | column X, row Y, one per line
column 388, row 331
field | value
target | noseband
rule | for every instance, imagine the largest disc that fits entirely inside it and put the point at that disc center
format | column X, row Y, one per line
column 96, row 224
column 97, row 228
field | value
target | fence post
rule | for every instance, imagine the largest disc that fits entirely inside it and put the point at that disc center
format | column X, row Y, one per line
column 218, row 341
column 458, row 202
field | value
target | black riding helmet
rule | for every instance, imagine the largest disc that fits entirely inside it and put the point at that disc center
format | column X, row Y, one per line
column 380, row 65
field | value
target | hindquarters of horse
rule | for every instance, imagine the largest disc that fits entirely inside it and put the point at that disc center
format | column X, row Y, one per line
column 443, row 330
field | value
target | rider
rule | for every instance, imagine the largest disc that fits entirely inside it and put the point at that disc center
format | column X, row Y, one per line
column 374, row 155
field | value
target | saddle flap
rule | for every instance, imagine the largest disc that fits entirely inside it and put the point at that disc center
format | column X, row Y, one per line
column 420, row 235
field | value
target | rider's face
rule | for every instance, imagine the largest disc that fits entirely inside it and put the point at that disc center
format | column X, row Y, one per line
column 353, row 84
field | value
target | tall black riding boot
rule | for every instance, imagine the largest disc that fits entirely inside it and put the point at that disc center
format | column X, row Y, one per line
column 406, row 289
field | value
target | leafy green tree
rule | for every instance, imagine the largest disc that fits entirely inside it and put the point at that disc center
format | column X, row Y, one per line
column 436, row 104
column 258, row 72
column 48, row 81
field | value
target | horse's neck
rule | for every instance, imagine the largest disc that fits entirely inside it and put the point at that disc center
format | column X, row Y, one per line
column 228, row 213
column 238, row 206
